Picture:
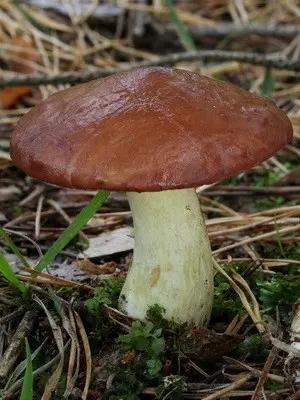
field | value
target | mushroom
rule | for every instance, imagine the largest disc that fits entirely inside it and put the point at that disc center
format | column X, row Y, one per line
column 157, row 134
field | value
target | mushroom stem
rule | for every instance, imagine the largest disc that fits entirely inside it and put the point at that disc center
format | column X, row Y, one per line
column 172, row 262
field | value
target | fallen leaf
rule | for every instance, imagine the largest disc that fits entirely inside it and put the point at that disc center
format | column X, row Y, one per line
column 9, row 95
column 65, row 270
column 205, row 344
column 9, row 192
column 101, row 11
column 89, row 266
column 111, row 242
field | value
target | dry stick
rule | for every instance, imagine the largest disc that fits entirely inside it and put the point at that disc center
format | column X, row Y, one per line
column 54, row 282
column 88, row 356
column 27, row 217
column 270, row 61
column 72, row 374
column 285, row 347
column 235, row 385
column 239, row 325
column 17, row 343
column 37, row 191
column 66, row 217
column 246, row 190
column 195, row 366
column 276, row 261
column 12, row 316
column 22, row 235
column 255, row 304
column 197, row 394
column 231, row 212
column 256, row 318
column 38, row 217
column 5, row 300
column 224, row 29
column 236, row 324
column 221, row 206
column 232, row 324
column 256, row 372
column 256, row 238
column 264, row 375
column 252, row 224
column 67, row 325
column 275, row 211
column 53, row 278
column 53, row 381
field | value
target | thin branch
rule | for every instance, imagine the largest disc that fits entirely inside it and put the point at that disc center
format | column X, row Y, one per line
column 224, row 29
column 270, row 61
column 17, row 343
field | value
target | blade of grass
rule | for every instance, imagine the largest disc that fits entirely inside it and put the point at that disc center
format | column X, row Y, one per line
column 54, row 379
column 9, row 274
column 13, row 247
column 279, row 242
column 27, row 388
column 72, row 230
column 267, row 85
column 38, row 372
column 22, row 367
column 183, row 33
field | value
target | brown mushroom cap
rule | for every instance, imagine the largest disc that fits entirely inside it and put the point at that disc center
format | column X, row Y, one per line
column 148, row 129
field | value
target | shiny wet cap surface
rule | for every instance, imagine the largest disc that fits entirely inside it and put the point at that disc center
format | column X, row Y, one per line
column 148, row 129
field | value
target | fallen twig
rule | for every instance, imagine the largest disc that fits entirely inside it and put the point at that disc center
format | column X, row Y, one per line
column 234, row 385
column 252, row 190
column 224, row 29
column 264, row 374
column 17, row 343
column 270, row 61
column 12, row 316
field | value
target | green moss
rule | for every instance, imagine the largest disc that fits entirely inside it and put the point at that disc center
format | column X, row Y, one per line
column 268, row 203
column 108, row 293
column 155, row 315
column 267, row 177
column 144, row 347
column 172, row 388
column 272, row 386
column 253, row 349
column 17, row 211
column 81, row 244
column 280, row 292
column 226, row 302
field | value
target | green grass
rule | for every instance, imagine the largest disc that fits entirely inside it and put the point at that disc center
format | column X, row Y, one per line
column 267, row 86
column 70, row 232
column 275, row 292
column 13, row 247
column 266, row 178
column 27, row 389
column 182, row 31
column 144, row 346
column 9, row 274
column 73, row 229
column 268, row 203
column 108, row 293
